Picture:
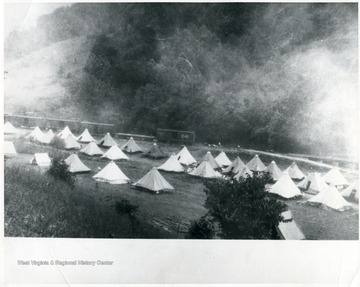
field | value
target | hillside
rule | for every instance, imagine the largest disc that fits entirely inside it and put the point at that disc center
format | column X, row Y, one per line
column 279, row 77
column 39, row 82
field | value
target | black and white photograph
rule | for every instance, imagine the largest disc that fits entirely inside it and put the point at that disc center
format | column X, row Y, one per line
column 185, row 121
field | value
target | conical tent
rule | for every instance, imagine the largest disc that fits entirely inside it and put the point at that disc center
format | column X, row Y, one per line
column 75, row 164
column 256, row 164
column 65, row 133
column 112, row 174
column 115, row 153
column 71, row 143
column 205, row 170
column 172, row 164
column 85, row 137
column 243, row 173
column 9, row 148
column 9, row 128
column 222, row 159
column 36, row 134
column 274, row 171
column 184, row 157
column 352, row 190
column 334, row 177
column 235, row 167
column 294, row 172
column 92, row 149
column 41, row 159
column 288, row 229
column 131, row 146
column 47, row 137
column 313, row 183
column 155, row 152
column 209, row 158
column 106, row 141
column 153, row 181
column 285, row 187
column 330, row 197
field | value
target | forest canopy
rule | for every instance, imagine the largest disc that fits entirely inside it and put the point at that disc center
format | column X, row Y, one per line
column 272, row 76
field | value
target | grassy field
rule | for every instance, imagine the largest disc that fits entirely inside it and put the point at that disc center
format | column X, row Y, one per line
column 36, row 205
column 170, row 213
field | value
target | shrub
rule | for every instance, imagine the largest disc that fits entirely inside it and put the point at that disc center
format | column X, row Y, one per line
column 201, row 229
column 24, row 145
column 125, row 207
column 241, row 209
column 60, row 170
column 57, row 143
column 35, row 206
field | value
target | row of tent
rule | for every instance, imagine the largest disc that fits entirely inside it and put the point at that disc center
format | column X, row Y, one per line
column 111, row 173
column 184, row 157
column 324, row 187
column 210, row 167
column 92, row 149
column 284, row 187
column 71, row 141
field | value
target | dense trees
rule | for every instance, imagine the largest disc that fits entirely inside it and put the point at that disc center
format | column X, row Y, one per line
column 239, row 210
column 235, row 73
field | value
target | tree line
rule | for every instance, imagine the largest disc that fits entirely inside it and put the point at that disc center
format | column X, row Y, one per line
column 225, row 71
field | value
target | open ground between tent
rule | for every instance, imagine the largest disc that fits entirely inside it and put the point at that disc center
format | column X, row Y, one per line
column 185, row 185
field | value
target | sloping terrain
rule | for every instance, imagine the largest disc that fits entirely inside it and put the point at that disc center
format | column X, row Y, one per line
column 42, row 77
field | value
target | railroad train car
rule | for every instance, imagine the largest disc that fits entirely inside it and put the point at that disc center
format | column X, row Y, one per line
column 59, row 124
column 25, row 121
column 175, row 136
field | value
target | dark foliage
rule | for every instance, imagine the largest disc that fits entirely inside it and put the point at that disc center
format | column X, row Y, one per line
column 60, row 170
column 57, row 143
column 37, row 207
column 201, row 229
column 223, row 70
column 125, row 207
column 243, row 208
